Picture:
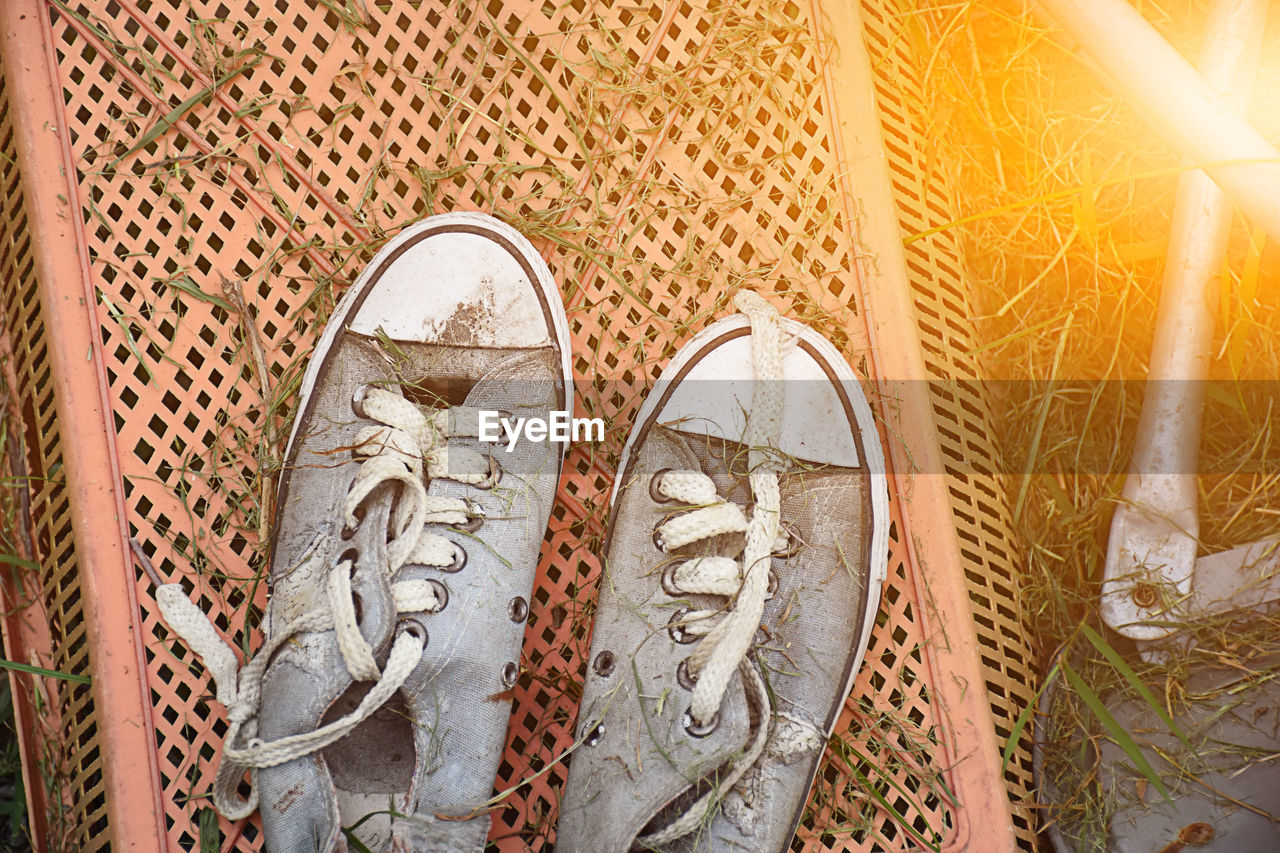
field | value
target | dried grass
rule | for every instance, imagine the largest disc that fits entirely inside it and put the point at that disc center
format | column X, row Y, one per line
column 1064, row 203
column 592, row 206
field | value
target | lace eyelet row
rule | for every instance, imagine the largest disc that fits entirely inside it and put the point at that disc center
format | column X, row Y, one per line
column 676, row 627
column 518, row 609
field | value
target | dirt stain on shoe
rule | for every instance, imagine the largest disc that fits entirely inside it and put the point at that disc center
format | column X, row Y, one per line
column 288, row 798
column 472, row 322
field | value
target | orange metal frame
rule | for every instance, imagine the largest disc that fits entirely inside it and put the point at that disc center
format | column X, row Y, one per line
column 91, row 463
column 970, row 751
column 973, row 753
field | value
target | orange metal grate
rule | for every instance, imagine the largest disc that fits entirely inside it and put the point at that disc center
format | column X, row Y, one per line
column 659, row 154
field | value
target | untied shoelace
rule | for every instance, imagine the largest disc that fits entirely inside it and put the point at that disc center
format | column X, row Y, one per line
column 405, row 446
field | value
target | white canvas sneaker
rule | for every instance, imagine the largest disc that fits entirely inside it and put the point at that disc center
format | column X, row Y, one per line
column 404, row 553
column 745, row 555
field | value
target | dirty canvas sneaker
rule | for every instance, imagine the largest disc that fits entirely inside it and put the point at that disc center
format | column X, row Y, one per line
column 746, row 550
column 404, row 552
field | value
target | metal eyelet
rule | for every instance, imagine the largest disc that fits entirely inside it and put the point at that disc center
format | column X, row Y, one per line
column 510, row 672
column 772, row 589
column 604, row 663
column 594, row 735
column 471, row 525
column 518, row 609
column 684, row 677
column 459, row 559
column 677, row 629
column 357, row 399
column 669, row 580
column 494, row 478
column 476, row 518
column 700, row 729
column 657, row 540
column 654, row 482
column 442, row 595
column 794, row 542
column 349, row 532
column 413, row 627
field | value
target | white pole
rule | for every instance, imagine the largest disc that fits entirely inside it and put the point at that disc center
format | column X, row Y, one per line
column 1191, row 117
column 1155, row 531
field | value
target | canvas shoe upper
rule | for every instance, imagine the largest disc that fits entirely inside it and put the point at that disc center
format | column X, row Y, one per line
column 745, row 554
column 404, row 552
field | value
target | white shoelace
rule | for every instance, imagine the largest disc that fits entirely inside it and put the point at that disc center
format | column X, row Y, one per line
column 405, row 446
column 728, row 634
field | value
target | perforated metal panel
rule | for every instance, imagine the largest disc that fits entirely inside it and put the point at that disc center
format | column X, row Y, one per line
column 659, row 156
column 980, row 501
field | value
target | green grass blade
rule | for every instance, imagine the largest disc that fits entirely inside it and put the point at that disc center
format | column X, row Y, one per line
column 355, row 843
column 210, row 833
column 169, row 119
column 350, row 831
column 1042, row 415
column 131, row 340
column 1113, row 657
column 189, row 287
column 870, row 790
column 39, row 670
column 635, row 671
column 1021, row 333
column 1117, row 732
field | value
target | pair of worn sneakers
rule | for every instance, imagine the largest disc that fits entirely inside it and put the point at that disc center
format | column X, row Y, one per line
column 746, row 548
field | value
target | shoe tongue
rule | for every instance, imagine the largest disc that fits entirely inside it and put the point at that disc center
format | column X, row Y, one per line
column 519, row 382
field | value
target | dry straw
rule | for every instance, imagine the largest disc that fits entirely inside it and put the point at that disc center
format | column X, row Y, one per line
column 737, row 100
column 1064, row 199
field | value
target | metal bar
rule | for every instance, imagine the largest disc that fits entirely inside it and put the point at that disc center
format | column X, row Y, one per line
column 972, row 750
column 1155, row 532
column 90, row 464
column 1247, row 577
column 1178, row 102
